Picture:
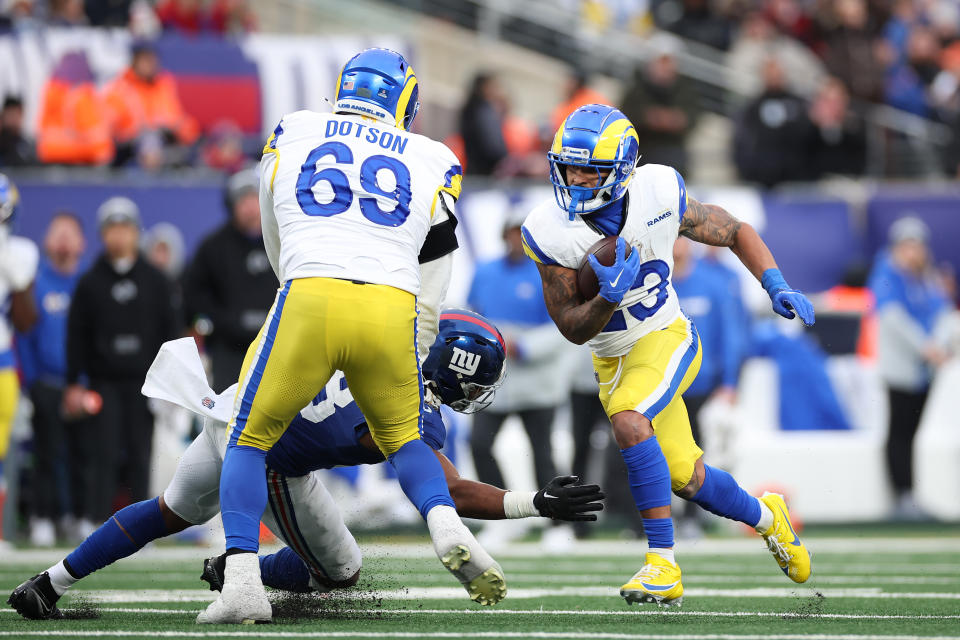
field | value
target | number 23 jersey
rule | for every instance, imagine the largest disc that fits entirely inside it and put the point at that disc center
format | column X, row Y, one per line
column 342, row 196
column 656, row 204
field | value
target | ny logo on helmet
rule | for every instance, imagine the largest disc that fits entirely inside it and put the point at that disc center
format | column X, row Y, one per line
column 464, row 362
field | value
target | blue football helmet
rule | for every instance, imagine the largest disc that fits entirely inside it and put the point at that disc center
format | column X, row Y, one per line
column 602, row 138
column 9, row 199
column 465, row 365
column 380, row 84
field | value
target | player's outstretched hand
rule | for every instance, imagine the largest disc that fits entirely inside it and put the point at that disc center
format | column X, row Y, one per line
column 788, row 301
column 616, row 279
column 564, row 498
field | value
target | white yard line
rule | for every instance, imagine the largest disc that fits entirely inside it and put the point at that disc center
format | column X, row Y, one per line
column 455, row 593
column 572, row 612
column 467, row 634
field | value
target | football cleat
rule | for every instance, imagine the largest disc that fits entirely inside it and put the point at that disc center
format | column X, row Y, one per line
column 486, row 586
column 783, row 542
column 243, row 599
column 35, row 599
column 657, row 581
column 213, row 571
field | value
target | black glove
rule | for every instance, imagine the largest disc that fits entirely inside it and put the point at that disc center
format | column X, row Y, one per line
column 564, row 498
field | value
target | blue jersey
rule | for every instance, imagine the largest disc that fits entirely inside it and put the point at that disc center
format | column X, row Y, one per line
column 327, row 434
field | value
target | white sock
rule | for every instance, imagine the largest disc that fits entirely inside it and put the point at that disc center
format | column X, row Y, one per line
column 242, row 568
column 60, row 578
column 446, row 528
column 666, row 554
column 766, row 518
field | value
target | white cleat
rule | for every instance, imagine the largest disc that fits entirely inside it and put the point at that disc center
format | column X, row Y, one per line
column 243, row 599
column 463, row 556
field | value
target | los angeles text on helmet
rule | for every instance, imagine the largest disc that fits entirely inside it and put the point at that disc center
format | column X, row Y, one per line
column 386, row 139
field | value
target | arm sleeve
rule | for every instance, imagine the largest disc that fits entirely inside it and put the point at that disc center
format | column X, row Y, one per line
column 78, row 334
column 434, row 280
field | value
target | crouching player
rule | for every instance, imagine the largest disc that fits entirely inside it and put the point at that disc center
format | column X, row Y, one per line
column 463, row 369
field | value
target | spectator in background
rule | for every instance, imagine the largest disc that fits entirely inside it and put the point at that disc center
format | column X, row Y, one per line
column 57, row 447
column 481, row 125
column 223, row 149
column 757, row 42
column 909, row 76
column 74, row 127
column 852, row 53
column 67, row 13
column 230, row 286
column 710, row 296
column 145, row 110
column 232, row 17
column 15, row 149
column 792, row 19
column 590, row 429
column 185, row 16
column 18, row 269
column 108, row 13
column 507, row 291
column 576, row 94
column 909, row 302
column 120, row 315
column 839, row 144
column 696, row 20
column 773, row 133
column 163, row 247
column 662, row 106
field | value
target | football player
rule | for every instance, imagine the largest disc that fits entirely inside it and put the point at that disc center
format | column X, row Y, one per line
column 330, row 431
column 347, row 200
column 19, row 258
column 645, row 350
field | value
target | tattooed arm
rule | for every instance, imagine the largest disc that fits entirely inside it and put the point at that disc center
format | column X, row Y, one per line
column 710, row 224
column 578, row 320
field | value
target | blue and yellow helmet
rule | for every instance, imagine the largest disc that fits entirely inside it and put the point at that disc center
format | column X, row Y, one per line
column 9, row 199
column 380, row 84
column 602, row 138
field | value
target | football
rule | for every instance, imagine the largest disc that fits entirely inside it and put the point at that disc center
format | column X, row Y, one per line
column 605, row 250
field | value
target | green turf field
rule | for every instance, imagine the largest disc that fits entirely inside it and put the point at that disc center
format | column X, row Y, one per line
column 894, row 587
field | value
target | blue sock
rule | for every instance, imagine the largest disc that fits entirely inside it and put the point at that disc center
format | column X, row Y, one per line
column 421, row 476
column 243, row 496
column 720, row 494
column 125, row 533
column 648, row 474
column 659, row 532
column 285, row 570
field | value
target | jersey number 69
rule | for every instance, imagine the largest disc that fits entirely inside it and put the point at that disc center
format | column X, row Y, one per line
column 374, row 193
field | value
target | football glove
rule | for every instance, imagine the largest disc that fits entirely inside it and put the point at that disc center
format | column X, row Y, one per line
column 564, row 498
column 787, row 302
column 616, row 279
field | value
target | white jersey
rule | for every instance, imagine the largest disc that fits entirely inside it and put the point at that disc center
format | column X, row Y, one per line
column 657, row 202
column 343, row 196
column 18, row 269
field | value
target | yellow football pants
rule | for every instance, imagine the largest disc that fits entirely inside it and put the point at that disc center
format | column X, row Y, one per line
column 315, row 327
column 9, row 394
column 650, row 379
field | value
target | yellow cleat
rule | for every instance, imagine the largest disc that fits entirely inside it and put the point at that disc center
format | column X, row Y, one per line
column 657, row 581
column 783, row 541
column 487, row 587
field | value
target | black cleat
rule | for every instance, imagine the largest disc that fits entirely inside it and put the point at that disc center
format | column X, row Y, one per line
column 35, row 599
column 213, row 571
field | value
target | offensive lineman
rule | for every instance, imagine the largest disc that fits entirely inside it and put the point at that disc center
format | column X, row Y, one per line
column 330, row 431
column 645, row 350
column 347, row 200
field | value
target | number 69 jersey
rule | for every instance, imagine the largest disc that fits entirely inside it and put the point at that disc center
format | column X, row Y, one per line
column 343, row 196
column 656, row 202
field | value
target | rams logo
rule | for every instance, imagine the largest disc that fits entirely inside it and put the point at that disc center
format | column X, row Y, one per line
column 662, row 216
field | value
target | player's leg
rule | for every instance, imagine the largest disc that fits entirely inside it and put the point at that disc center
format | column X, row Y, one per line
column 9, row 396
column 321, row 554
column 191, row 498
column 281, row 373
column 634, row 389
column 380, row 361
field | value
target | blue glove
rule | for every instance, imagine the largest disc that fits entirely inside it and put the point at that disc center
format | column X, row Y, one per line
column 616, row 279
column 785, row 300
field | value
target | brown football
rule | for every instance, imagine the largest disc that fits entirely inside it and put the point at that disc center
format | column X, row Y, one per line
column 605, row 250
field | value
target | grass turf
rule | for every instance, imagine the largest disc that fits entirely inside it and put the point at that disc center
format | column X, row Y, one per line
column 896, row 587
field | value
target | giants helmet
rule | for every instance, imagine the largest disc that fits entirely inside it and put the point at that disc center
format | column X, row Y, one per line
column 465, row 365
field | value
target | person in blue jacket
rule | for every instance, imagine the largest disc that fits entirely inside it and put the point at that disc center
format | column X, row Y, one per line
column 43, row 360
